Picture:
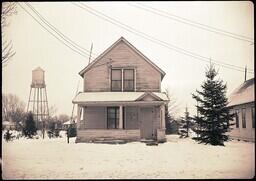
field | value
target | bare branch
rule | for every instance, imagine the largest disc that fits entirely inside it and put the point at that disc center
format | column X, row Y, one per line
column 8, row 9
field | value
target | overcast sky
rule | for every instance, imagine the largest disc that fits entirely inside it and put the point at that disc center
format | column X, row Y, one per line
column 35, row 46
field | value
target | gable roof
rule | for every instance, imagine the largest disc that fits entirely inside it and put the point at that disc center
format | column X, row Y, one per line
column 243, row 94
column 132, row 47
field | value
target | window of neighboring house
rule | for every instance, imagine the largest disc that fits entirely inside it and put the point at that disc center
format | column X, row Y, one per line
column 237, row 118
column 253, row 117
column 243, row 118
column 112, row 117
column 128, row 82
column 116, row 80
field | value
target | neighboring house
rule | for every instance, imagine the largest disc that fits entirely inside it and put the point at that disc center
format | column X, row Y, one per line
column 122, row 97
column 68, row 124
column 241, row 102
column 9, row 125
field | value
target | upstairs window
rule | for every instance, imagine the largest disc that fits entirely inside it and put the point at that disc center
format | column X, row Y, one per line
column 128, row 80
column 116, row 80
column 122, row 80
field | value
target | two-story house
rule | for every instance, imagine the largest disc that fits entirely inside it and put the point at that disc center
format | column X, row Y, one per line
column 122, row 97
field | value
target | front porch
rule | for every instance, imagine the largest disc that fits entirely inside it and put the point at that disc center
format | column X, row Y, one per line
column 140, row 119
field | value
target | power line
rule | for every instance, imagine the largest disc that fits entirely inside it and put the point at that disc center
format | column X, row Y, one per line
column 193, row 23
column 159, row 41
column 152, row 39
column 50, row 31
column 64, row 37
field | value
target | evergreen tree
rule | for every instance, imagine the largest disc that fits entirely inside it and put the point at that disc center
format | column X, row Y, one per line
column 214, row 115
column 185, row 125
column 30, row 126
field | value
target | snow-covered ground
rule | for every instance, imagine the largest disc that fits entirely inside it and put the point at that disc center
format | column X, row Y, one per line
column 177, row 158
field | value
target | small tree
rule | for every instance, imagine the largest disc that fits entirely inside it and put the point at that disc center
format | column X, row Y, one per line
column 29, row 129
column 185, row 125
column 214, row 116
column 8, row 136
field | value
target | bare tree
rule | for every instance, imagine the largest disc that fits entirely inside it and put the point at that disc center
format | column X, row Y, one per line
column 13, row 109
column 173, row 105
column 8, row 9
column 171, row 110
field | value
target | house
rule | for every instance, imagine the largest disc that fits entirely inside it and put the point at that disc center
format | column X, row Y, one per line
column 121, row 98
column 9, row 125
column 241, row 102
column 69, row 124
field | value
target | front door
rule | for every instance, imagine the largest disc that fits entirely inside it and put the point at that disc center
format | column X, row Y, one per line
column 146, row 127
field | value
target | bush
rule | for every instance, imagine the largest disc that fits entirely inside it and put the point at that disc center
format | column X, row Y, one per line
column 8, row 136
column 29, row 129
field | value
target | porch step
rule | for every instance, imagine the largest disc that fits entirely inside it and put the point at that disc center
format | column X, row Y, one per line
column 109, row 141
column 149, row 142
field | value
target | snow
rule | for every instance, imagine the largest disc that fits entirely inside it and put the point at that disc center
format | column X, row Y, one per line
column 177, row 158
column 243, row 94
column 113, row 96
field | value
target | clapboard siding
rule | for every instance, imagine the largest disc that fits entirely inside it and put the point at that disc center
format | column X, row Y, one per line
column 131, row 118
column 95, row 134
column 97, row 78
column 94, row 117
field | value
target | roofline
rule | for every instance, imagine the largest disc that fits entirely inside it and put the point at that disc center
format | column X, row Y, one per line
column 105, row 103
column 131, row 46
column 240, row 104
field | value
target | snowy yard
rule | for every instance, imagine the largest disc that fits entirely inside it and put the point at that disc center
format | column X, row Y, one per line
column 177, row 158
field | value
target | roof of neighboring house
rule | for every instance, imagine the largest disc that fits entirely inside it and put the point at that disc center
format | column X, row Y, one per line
column 90, row 97
column 243, row 94
column 68, row 122
column 132, row 47
column 8, row 123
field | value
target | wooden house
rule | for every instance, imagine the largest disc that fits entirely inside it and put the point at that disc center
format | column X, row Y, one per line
column 121, row 98
column 242, row 103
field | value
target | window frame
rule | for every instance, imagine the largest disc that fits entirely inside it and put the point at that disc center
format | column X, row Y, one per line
column 237, row 118
column 253, row 116
column 111, row 80
column 124, row 80
column 243, row 118
column 116, row 117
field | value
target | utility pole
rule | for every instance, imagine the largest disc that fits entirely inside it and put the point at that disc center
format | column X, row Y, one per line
column 90, row 53
column 245, row 72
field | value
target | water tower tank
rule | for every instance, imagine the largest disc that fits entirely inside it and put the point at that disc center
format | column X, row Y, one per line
column 38, row 77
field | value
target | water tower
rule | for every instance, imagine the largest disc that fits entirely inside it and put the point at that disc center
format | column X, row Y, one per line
column 37, row 102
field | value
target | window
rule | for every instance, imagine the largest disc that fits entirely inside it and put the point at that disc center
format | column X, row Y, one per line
column 237, row 118
column 253, row 117
column 116, row 80
column 122, row 79
column 128, row 80
column 243, row 118
column 112, row 117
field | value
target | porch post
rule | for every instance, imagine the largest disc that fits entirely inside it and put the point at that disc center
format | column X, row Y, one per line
column 163, row 116
column 120, row 117
column 78, row 116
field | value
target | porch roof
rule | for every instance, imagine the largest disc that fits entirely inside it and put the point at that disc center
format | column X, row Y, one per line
column 103, row 97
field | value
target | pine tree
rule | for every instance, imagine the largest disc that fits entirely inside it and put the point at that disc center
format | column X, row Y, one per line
column 214, row 116
column 30, row 126
column 185, row 125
